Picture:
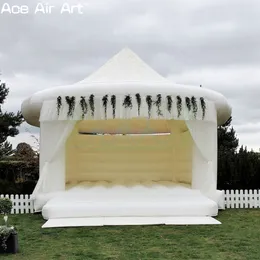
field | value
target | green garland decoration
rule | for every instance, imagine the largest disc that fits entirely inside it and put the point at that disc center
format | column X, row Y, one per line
column 139, row 102
column 84, row 106
column 158, row 104
column 113, row 103
column 188, row 103
column 179, row 105
column 59, row 104
column 71, row 103
column 203, row 106
column 105, row 101
column 169, row 103
column 92, row 104
column 149, row 102
column 128, row 102
column 194, row 106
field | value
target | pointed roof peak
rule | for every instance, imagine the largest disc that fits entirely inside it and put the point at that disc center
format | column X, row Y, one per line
column 125, row 66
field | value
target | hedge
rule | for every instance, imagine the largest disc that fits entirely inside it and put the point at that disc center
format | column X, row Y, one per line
column 18, row 177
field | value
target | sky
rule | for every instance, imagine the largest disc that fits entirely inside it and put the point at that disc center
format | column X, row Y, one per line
column 213, row 43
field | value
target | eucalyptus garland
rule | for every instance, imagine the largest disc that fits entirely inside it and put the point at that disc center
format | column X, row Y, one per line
column 188, row 103
column 203, row 106
column 191, row 103
column 169, row 103
column 84, row 106
column 128, row 102
column 92, row 104
column 179, row 105
column 139, row 102
column 149, row 102
column 158, row 104
column 71, row 103
column 194, row 106
column 105, row 101
column 59, row 104
column 113, row 103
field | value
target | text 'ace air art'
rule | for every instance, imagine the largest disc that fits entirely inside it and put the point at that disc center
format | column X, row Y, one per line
column 41, row 8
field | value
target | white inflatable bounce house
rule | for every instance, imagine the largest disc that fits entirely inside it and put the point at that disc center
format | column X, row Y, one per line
column 125, row 146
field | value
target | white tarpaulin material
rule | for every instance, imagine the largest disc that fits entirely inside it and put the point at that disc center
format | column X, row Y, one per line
column 126, row 92
column 49, row 111
column 142, row 200
column 53, row 147
column 204, row 171
column 52, row 161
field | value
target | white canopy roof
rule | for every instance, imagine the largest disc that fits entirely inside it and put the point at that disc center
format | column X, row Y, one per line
column 125, row 67
column 124, row 74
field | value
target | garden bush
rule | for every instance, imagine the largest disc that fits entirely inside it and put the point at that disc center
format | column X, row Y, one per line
column 18, row 177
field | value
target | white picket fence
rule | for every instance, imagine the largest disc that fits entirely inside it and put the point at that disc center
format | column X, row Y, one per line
column 242, row 199
column 22, row 204
column 238, row 199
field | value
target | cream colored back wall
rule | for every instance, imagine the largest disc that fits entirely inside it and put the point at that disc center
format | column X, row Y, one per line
column 125, row 158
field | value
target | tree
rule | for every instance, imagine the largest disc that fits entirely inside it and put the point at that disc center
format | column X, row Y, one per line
column 227, row 140
column 247, row 174
column 9, row 122
column 237, row 168
column 24, row 152
column 227, row 162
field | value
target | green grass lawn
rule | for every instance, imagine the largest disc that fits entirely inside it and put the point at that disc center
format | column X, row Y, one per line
column 237, row 238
